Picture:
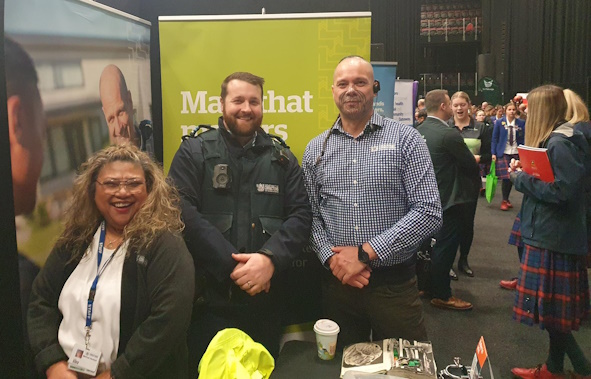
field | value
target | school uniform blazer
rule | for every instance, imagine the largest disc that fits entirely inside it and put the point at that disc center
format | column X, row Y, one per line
column 499, row 138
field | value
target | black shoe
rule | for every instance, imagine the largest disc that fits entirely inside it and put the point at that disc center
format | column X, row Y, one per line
column 452, row 274
column 464, row 267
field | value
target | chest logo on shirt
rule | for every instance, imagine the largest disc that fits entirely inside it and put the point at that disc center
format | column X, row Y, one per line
column 267, row 188
column 389, row 146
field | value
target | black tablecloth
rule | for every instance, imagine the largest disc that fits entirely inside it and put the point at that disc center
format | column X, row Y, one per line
column 299, row 360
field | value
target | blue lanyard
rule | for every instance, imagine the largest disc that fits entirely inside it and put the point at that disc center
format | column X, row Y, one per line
column 99, row 272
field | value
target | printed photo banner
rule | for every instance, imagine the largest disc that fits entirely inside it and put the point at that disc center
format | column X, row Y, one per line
column 296, row 54
column 70, row 43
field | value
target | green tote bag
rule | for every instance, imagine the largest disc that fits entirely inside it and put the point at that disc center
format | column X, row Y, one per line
column 491, row 182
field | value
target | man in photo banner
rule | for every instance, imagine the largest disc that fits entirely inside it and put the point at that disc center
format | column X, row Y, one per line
column 374, row 200
column 26, row 131
column 118, row 110
column 247, row 217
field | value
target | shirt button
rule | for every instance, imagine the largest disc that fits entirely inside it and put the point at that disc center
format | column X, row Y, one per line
column 253, row 225
column 354, row 181
column 356, row 227
column 355, row 205
column 354, row 160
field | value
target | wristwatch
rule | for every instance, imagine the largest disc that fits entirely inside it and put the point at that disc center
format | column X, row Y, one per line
column 362, row 255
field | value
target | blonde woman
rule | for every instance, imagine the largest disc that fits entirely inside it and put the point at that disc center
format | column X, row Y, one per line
column 477, row 137
column 577, row 114
column 553, row 287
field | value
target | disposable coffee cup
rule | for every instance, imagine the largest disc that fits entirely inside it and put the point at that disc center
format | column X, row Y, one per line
column 327, row 332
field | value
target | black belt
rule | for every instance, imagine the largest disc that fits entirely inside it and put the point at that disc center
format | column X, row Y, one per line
column 396, row 274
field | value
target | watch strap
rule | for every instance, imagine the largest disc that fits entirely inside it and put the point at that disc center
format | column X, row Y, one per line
column 362, row 255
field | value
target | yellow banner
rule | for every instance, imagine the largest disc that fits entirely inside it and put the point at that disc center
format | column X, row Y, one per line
column 296, row 54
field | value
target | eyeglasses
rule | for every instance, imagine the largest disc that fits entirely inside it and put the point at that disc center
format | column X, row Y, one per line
column 130, row 185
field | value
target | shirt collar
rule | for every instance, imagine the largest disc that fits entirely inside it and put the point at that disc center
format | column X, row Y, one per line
column 471, row 125
column 437, row 118
column 376, row 120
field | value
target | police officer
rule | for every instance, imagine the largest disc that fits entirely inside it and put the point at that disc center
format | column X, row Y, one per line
column 247, row 216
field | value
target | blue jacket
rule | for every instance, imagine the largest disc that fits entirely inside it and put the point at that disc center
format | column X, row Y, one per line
column 499, row 138
column 552, row 215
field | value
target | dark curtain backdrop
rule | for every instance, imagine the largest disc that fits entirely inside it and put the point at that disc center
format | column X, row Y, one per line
column 549, row 42
column 396, row 24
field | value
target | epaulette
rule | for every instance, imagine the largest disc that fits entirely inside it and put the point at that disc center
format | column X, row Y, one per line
column 278, row 140
column 194, row 132
column 280, row 146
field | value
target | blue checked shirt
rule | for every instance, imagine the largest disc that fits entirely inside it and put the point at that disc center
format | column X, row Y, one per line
column 379, row 188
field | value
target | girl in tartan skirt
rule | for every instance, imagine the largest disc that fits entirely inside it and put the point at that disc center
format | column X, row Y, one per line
column 578, row 115
column 553, row 287
column 508, row 133
column 514, row 239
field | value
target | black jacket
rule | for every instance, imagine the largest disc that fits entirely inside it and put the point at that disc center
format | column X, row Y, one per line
column 553, row 215
column 156, row 302
column 265, row 208
column 456, row 170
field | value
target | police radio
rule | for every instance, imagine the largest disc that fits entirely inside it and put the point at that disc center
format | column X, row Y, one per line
column 221, row 176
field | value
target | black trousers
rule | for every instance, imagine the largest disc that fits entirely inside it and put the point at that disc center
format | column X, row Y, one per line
column 384, row 310
column 467, row 228
column 444, row 252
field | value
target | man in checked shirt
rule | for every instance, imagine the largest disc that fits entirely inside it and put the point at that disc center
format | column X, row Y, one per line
column 374, row 198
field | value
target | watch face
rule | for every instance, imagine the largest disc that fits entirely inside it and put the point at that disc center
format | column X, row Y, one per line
column 362, row 255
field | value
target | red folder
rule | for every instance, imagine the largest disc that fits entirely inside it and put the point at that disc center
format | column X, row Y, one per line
column 535, row 162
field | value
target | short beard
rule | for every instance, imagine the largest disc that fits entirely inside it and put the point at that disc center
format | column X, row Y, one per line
column 235, row 130
column 358, row 96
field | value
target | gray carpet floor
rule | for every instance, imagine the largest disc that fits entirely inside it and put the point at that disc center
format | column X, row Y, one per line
column 509, row 344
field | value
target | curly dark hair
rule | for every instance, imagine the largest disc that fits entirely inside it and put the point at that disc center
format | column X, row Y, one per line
column 160, row 211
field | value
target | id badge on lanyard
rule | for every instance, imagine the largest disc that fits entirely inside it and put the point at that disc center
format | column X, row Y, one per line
column 83, row 359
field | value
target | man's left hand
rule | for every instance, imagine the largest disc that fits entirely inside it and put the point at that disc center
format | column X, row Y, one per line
column 253, row 273
column 345, row 263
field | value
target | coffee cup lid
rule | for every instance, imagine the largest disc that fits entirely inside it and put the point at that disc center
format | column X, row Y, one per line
column 326, row 327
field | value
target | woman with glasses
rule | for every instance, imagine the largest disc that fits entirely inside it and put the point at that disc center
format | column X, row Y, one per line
column 114, row 298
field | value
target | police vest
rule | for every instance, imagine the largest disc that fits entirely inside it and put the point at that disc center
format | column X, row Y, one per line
column 243, row 197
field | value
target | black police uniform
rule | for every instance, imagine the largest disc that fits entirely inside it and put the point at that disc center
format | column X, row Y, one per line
column 239, row 199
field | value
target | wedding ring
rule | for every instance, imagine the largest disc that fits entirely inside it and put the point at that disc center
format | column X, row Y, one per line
column 249, row 284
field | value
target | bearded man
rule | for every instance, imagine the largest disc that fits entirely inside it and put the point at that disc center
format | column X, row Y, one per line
column 247, row 217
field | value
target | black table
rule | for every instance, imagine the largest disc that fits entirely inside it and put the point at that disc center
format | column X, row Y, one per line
column 299, row 360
